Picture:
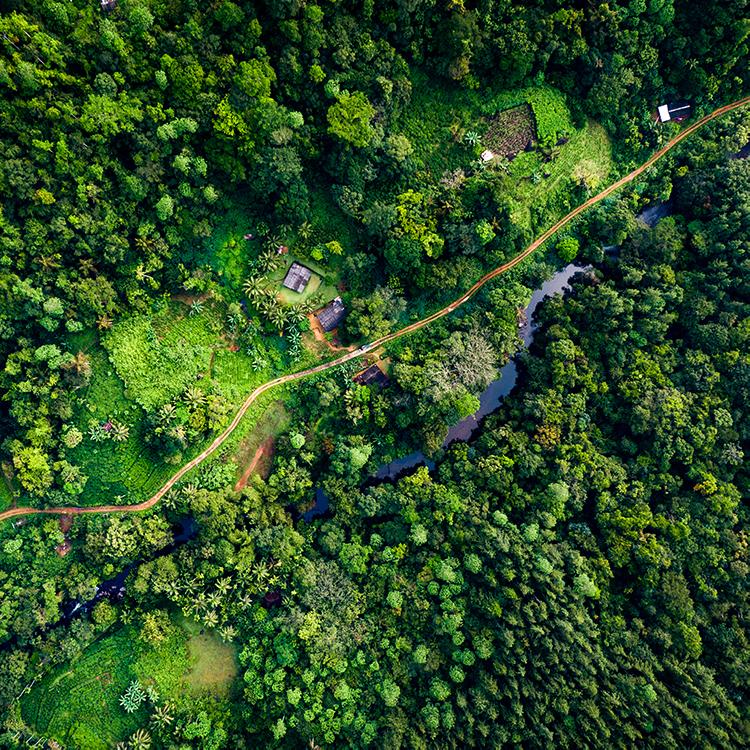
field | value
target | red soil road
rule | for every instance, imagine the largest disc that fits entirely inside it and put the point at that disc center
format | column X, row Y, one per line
column 264, row 449
column 219, row 439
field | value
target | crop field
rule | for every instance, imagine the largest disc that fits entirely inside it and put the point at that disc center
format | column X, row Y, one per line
column 78, row 703
column 157, row 356
column 510, row 131
column 438, row 121
column 588, row 147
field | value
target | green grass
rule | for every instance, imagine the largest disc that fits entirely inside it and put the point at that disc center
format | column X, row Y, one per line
column 157, row 356
column 78, row 703
column 213, row 663
column 589, row 145
column 321, row 282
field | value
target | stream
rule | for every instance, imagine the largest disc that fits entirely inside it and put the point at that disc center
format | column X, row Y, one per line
column 114, row 588
column 489, row 400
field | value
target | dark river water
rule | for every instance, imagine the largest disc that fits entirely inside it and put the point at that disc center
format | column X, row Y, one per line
column 490, row 399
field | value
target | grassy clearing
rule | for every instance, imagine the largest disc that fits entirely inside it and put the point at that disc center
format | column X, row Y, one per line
column 158, row 355
column 274, row 419
column 213, row 663
column 78, row 703
column 588, row 148
column 322, row 282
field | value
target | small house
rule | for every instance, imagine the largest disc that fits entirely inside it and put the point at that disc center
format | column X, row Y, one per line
column 297, row 277
column 108, row 4
column 487, row 155
column 331, row 315
column 677, row 111
column 373, row 375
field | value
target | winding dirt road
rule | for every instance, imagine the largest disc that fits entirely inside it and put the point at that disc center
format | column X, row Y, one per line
column 219, row 439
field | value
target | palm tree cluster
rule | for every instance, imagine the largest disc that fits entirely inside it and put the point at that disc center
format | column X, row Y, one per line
column 215, row 603
column 262, row 297
column 109, row 430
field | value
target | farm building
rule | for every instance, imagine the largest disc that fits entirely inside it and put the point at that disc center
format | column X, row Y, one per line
column 677, row 111
column 373, row 375
column 331, row 315
column 297, row 277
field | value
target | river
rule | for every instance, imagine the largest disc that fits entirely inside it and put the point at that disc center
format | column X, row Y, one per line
column 489, row 400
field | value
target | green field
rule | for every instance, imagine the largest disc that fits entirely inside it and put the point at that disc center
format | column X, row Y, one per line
column 322, row 282
column 78, row 703
column 439, row 120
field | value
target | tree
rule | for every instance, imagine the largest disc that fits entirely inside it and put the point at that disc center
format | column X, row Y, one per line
column 567, row 249
column 350, row 117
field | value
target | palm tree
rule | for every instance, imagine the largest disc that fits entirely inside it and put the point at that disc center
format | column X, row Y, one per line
column 228, row 633
column 196, row 308
column 224, row 586
column 140, row 740
column 81, row 364
column 194, row 397
column 87, row 266
column 296, row 313
column 167, row 412
column 189, row 491
column 253, row 286
column 278, row 316
column 104, row 323
column 142, row 275
column 471, row 137
column 162, row 716
column 210, row 619
column 305, row 230
column 120, row 432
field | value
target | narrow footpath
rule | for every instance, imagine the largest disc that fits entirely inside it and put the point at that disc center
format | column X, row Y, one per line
column 221, row 438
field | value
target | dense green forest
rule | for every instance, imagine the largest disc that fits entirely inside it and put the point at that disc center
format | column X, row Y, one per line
column 576, row 575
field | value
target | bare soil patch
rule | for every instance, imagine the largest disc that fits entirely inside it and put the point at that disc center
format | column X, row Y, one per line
column 510, row 131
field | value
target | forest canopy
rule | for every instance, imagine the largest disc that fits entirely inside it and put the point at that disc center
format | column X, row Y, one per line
column 184, row 187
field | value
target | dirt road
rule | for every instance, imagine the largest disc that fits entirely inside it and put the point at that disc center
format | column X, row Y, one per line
column 219, row 439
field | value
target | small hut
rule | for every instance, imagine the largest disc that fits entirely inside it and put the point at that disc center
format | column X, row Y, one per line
column 331, row 315
column 297, row 277
column 373, row 375
column 108, row 5
column 677, row 111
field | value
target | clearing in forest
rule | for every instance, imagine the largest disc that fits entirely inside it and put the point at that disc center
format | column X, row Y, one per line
column 78, row 704
column 510, row 131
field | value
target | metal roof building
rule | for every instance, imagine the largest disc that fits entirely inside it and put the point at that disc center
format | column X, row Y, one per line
column 373, row 375
column 297, row 277
column 677, row 111
column 331, row 315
